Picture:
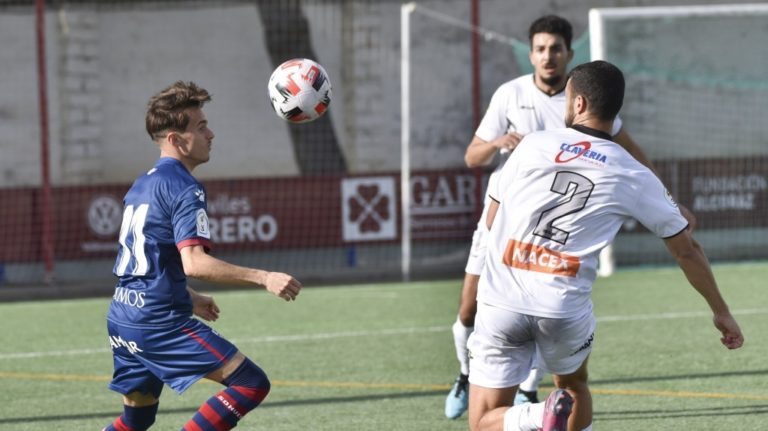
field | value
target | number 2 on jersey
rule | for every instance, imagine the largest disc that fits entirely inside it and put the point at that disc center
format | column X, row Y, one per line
column 577, row 188
column 133, row 224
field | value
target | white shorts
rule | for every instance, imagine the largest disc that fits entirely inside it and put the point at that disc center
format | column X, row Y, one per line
column 503, row 345
column 476, row 260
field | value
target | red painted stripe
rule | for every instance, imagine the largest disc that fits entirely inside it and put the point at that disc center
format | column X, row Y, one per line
column 121, row 426
column 204, row 343
column 212, row 416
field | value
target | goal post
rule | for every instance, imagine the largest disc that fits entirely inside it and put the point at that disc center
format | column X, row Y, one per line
column 695, row 102
column 447, row 67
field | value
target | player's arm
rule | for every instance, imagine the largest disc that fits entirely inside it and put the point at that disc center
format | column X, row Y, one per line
column 203, row 306
column 625, row 140
column 200, row 265
column 694, row 263
column 480, row 152
column 493, row 208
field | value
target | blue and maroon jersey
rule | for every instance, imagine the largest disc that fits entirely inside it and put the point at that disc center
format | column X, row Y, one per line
column 164, row 211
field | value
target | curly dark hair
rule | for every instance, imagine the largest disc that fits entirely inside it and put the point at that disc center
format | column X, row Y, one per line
column 552, row 24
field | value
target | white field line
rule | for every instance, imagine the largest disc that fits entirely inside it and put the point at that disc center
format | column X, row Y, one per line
column 380, row 332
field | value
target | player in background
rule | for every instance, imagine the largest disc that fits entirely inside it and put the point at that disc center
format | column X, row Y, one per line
column 527, row 104
column 561, row 197
column 164, row 239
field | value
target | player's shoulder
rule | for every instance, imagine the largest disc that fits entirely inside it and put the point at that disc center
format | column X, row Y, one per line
column 167, row 180
column 557, row 134
column 517, row 85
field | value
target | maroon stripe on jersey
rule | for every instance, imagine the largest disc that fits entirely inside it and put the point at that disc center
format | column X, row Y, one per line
column 194, row 241
column 203, row 343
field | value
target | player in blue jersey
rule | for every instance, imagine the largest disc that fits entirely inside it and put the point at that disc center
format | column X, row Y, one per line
column 164, row 239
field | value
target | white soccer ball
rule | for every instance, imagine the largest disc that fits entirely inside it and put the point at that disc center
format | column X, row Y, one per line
column 299, row 90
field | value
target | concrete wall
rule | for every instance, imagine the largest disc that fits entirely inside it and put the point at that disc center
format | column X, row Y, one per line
column 104, row 63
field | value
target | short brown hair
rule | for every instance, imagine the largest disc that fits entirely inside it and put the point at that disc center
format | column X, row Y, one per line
column 165, row 110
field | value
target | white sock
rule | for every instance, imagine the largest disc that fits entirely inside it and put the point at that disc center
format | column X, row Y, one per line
column 531, row 384
column 606, row 262
column 460, row 336
column 589, row 428
column 526, row 417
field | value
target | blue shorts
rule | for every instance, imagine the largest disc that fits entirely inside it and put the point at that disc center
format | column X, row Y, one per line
column 145, row 358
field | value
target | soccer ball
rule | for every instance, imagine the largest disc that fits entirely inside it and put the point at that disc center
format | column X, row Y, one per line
column 299, row 90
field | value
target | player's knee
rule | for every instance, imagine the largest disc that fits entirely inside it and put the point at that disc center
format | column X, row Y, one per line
column 250, row 380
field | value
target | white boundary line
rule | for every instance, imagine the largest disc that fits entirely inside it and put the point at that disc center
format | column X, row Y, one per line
column 379, row 332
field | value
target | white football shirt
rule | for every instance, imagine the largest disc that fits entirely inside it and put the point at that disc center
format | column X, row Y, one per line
column 520, row 106
column 563, row 195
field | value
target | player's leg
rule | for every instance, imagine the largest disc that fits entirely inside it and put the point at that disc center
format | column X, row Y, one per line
column 502, row 347
column 528, row 390
column 140, row 388
column 576, row 384
column 564, row 346
column 246, row 387
column 457, row 401
column 211, row 356
column 139, row 412
column 488, row 406
column 465, row 321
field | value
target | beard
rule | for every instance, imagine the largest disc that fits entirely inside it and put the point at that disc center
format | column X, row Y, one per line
column 551, row 81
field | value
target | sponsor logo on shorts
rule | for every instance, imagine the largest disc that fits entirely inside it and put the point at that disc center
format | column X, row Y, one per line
column 586, row 345
column 532, row 257
column 117, row 341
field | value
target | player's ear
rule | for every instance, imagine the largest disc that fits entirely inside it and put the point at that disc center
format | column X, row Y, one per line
column 579, row 104
column 177, row 141
column 570, row 55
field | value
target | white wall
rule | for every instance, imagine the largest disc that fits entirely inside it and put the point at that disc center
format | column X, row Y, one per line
column 105, row 63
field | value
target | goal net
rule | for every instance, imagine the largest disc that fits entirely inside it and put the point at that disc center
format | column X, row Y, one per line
column 696, row 102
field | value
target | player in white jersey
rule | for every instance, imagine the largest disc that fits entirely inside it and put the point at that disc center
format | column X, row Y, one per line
column 560, row 198
column 527, row 104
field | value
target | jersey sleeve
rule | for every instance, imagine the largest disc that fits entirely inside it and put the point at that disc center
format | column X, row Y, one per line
column 494, row 122
column 190, row 219
column 501, row 178
column 657, row 210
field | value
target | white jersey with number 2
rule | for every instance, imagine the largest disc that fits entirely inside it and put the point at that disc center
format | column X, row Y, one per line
column 563, row 195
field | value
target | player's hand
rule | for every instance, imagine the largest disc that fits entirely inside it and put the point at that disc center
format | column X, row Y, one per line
column 688, row 216
column 204, row 307
column 508, row 142
column 732, row 337
column 283, row 285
